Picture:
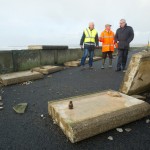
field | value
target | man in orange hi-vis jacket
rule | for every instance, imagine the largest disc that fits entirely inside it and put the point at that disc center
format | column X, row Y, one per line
column 107, row 39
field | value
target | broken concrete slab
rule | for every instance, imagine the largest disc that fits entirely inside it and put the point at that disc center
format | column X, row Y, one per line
column 77, row 62
column 19, row 77
column 137, row 77
column 47, row 47
column 96, row 113
column 20, row 108
column 47, row 69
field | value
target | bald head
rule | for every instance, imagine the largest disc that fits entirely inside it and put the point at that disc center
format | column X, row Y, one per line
column 91, row 25
column 122, row 23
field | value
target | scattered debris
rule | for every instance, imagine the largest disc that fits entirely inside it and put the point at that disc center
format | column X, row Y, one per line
column 139, row 97
column 49, row 76
column 148, row 121
column 54, row 122
column 1, row 108
column 119, row 130
column 110, row 138
column 20, row 108
column 1, row 104
column 26, row 83
column 42, row 116
column 114, row 94
column 128, row 129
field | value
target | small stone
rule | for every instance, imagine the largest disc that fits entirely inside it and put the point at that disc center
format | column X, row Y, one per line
column 1, row 108
column 42, row 116
column 110, row 138
column 148, row 121
column 128, row 129
column 1, row 104
column 49, row 76
column 119, row 130
column 54, row 122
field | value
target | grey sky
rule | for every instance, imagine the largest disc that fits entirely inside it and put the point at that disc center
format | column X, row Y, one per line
column 25, row 22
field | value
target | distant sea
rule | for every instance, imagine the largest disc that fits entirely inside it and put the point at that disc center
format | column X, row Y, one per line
column 70, row 46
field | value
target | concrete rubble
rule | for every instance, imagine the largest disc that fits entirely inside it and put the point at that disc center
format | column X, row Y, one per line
column 137, row 77
column 128, row 129
column 47, row 69
column 77, row 62
column 19, row 77
column 20, row 108
column 96, row 113
column 119, row 130
column 110, row 138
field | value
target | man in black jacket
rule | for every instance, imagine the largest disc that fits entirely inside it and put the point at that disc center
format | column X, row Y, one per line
column 124, row 35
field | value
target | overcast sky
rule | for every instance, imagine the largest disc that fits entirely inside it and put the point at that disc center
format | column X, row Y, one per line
column 26, row 22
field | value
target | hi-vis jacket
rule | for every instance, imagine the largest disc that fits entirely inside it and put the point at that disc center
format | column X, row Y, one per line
column 89, row 38
column 107, row 39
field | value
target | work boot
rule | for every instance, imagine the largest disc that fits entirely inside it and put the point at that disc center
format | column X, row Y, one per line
column 110, row 63
column 102, row 67
column 103, row 63
column 83, row 68
column 118, row 70
column 91, row 67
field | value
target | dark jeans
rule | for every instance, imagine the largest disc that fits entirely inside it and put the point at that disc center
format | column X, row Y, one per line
column 122, row 58
column 87, row 52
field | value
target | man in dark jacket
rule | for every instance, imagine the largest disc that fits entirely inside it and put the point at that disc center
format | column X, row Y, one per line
column 90, row 41
column 124, row 35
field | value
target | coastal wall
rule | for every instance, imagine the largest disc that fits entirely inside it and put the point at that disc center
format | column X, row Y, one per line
column 21, row 60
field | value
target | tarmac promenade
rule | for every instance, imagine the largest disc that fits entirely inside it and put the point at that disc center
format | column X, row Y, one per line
column 30, row 131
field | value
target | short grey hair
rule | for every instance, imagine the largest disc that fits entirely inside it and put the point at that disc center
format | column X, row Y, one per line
column 123, row 20
column 91, row 23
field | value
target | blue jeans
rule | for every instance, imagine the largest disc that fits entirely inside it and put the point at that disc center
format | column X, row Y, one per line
column 122, row 58
column 90, row 53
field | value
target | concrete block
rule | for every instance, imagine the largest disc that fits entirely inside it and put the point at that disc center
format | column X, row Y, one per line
column 137, row 77
column 77, row 62
column 96, row 113
column 47, row 47
column 48, row 69
column 6, row 62
column 19, row 77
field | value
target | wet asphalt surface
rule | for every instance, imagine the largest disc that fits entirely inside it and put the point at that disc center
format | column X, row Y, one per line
column 30, row 132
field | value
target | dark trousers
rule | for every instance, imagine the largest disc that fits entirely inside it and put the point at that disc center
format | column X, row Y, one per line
column 109, row 53
column 122, row 58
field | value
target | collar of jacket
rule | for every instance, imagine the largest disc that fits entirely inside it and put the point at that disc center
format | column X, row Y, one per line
column 90, row 29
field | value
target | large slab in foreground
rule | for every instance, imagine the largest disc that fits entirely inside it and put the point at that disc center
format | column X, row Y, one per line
column 48, row 69
column 96, row 113
column 137, row 77
column 19, row 77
